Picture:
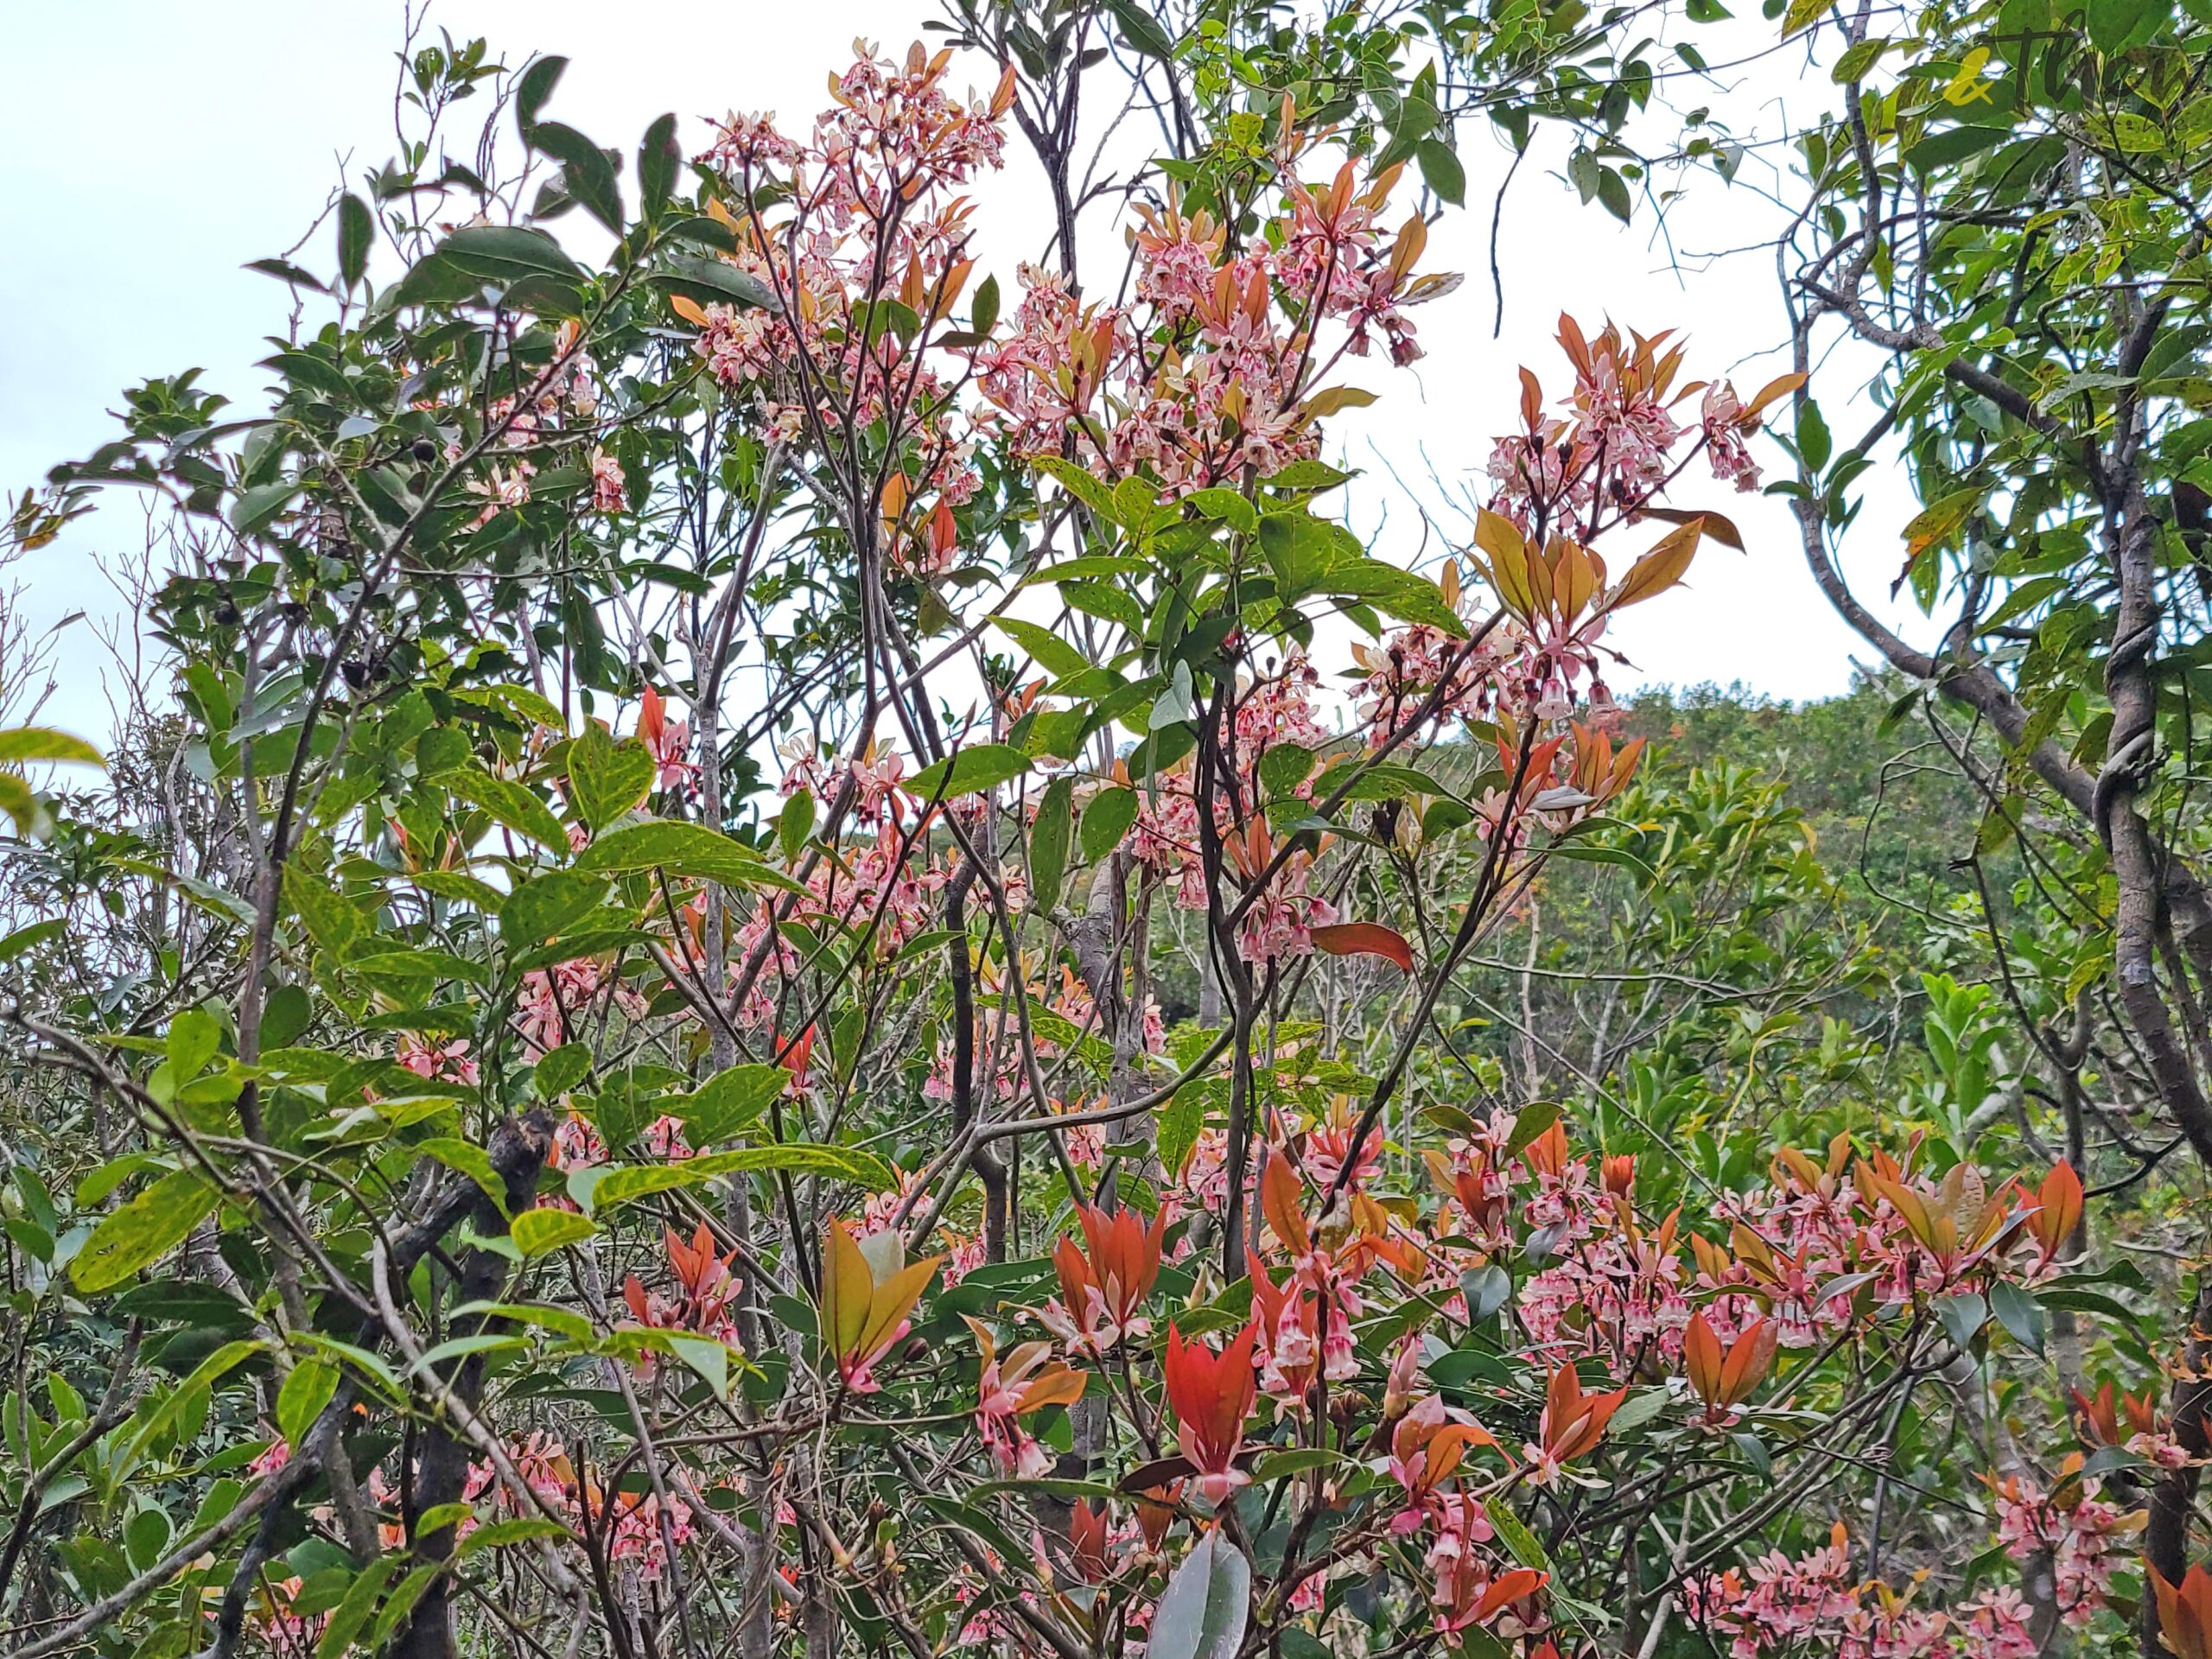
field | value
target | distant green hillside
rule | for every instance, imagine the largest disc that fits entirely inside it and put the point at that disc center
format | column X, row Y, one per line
column 1890, row 808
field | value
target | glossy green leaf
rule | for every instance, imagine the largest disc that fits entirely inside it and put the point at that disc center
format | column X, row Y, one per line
column 357, row 230
column 729, row 1102
column 546, row 905
column 1106, row 819
column 300, row 1401
column 1202, row 1613
column 1049, row 838
column 1055, row 655
column 608, row 779
column 511, row 803
column 539, row 1232
column 979, row 767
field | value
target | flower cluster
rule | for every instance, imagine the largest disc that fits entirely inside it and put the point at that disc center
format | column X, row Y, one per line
column 702, row 1291
column 1610, row 451
column 2085, row 1538
column 855, row 243
column 1815, row 1602
column 1208, row 376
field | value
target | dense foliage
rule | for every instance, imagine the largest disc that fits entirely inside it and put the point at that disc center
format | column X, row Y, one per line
column 803, row 958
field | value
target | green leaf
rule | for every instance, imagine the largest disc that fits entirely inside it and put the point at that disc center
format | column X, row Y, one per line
column 1202, row 1613
column 256, row 509
column 1535, row 1119
column 1963, row 1314
column 985, row 315
column 539, row 1232
column 170, row 1404
column 2018, row 1312
column 1308, row 476
column 357, row 230
column 972, row 771
column 2086, row 1301
column 534, row 86
column 714, row 281
column 2135, row 135
column 143, row 1230
column 1097, row 1491
column 680, row 849
column 795, row 823
column 1141, row 29
column 1514, row 1533
column 1053, row 653
column 1814, row 444
column 207, row 690
column 416, row 964
column 658, row 158
column 796, row 1157
column 606, row 779
column 300, row 1401
column 1856, row 60
column 1401, row 593
column 1612, row 194
column 1803, row 14
column 1226, row 506
column 1091, row 565
column 1180, row 1120
column 503, row 255
column 285, row 1016
column 1283, row 768
column 543, row 907
column 562, row 1070
column 511, row 803
column 2115, row 25
column 517, row 1529
column 1441, row 171
column 354, row 1607
column 1106, row 820
column 1281, row 1465
column 1175, row 705
column 1942, row 519
column 1078, row 482
column 194, row 1036
column 1301, row 551
column 402, row 1601
column 31, row 936
column 1048, row 842
column 586, row 171
column 1486, row 1289
column 470, row 1160
column 1639, row 1409
column 729, row 1102
column 704, row 1355
column 285, row 271
column 1952, row 145
column 1588, row 854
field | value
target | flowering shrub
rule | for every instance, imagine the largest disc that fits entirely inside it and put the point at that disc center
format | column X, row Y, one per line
column 853, row 1019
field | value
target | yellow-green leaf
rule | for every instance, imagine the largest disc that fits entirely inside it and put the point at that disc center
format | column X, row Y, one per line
column 143, row 1230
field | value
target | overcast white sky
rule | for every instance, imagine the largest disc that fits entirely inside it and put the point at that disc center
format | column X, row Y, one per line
column 148, row 150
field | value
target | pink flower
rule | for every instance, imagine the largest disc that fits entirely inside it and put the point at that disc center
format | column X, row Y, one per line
column 448, row 1060
column 609, row 489
column 666, row 740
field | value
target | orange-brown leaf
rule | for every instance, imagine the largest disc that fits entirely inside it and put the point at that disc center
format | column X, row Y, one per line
column 1662, row 567
column 1280, row 1201
column 1364, row 939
